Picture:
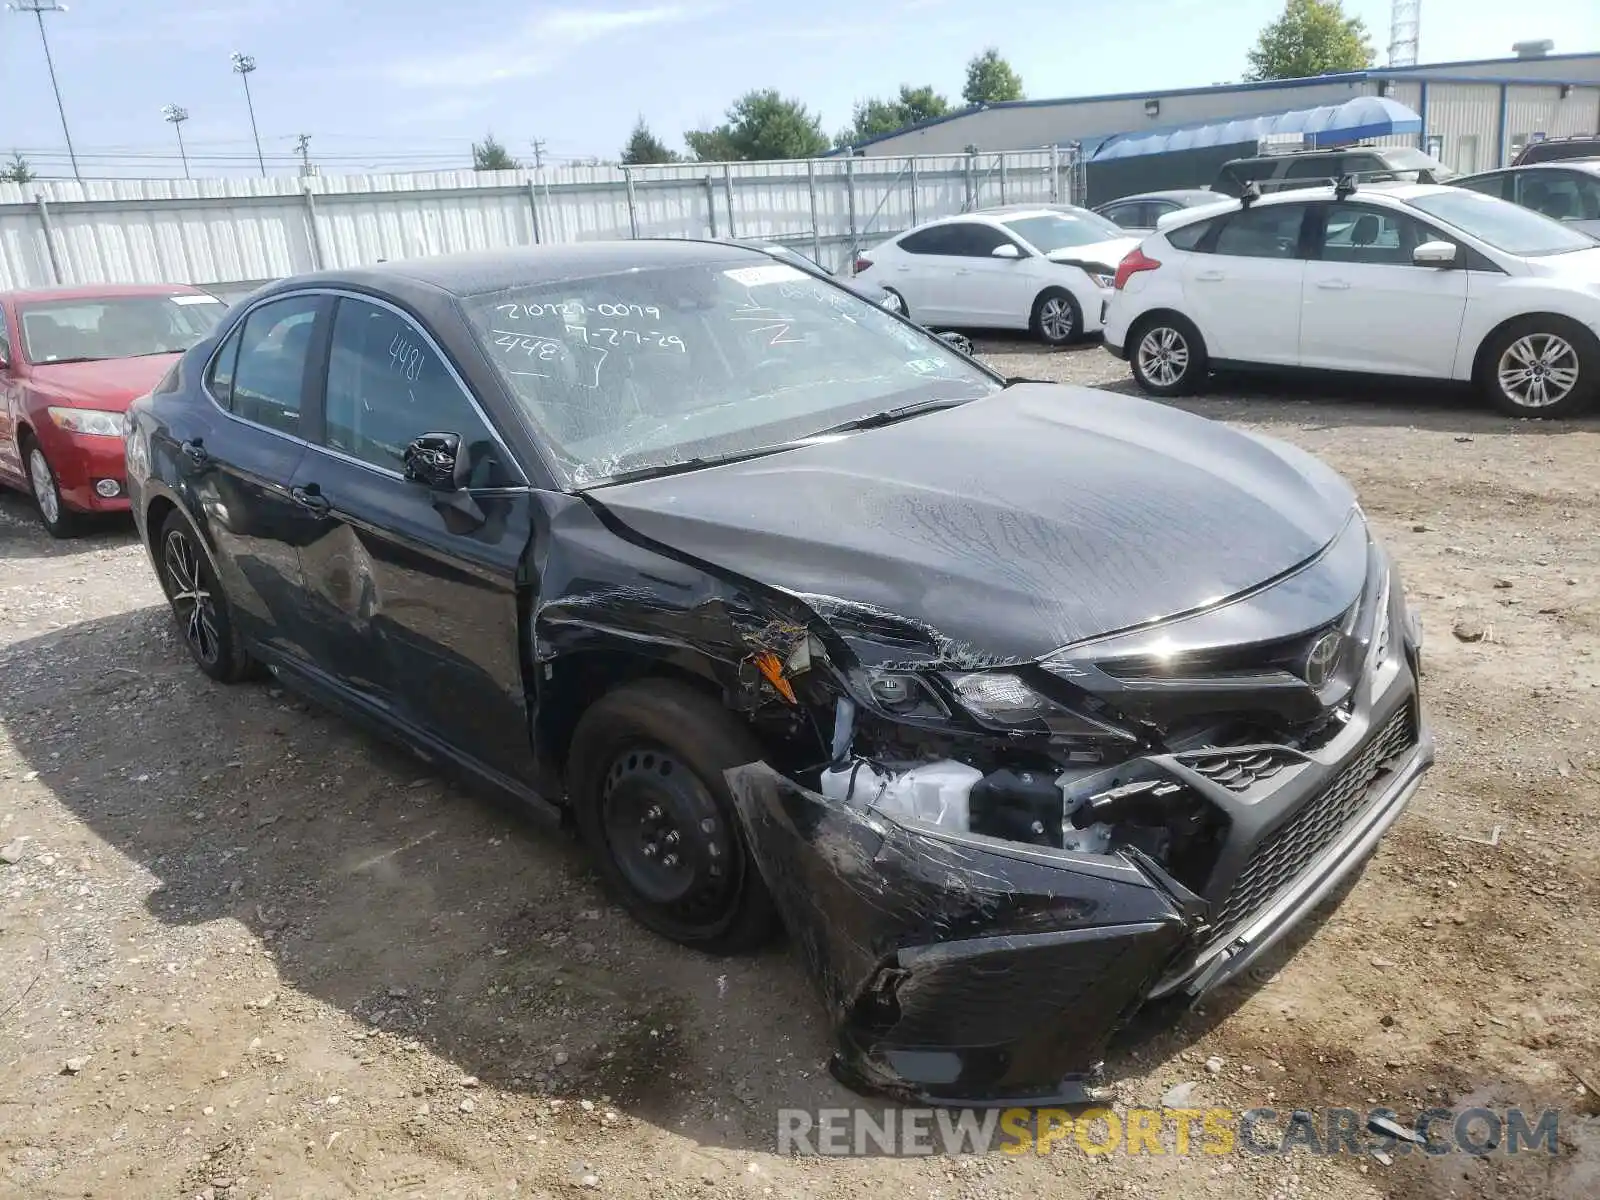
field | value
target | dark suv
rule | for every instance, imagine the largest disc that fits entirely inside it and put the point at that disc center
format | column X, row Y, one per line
column 1560, row 149
column 1311, row 168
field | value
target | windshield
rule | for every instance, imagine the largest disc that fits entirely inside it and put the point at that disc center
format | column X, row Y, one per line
column 1049, row 232
column 84, row 330
column 650, row 369
column 1503, row 225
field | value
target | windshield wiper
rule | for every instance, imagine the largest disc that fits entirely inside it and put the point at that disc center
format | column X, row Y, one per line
column 888, row 416
column 658, row 470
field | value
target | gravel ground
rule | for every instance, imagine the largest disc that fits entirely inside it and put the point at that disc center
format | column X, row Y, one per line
column 246, row 951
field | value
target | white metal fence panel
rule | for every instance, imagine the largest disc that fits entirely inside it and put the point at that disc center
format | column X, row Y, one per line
column 224, row 230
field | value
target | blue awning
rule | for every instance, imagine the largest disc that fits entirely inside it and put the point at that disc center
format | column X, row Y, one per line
column 1329, row 125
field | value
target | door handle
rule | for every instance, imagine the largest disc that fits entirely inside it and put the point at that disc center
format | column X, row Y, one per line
column 1210, row 277
column 311, row 499
column 1333, row 285
column 196, row 454
column 963, row 271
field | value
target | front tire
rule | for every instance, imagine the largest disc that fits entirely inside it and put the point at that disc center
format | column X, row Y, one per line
column 1541, row 367
column 645, row 781
column 205, row 619
column 1167, row 356
column 1057, row 320
column 54, row 515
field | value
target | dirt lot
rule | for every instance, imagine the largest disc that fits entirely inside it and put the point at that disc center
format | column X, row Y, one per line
column 246, row 951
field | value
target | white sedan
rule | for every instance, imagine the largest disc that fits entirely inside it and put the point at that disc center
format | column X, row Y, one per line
column 1393, row 279
column 1047, row 269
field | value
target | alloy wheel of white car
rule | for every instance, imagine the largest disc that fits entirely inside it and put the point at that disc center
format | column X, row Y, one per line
column 894, row 301
column 1538, row 370
column 1164, row 355
column 1055, row 318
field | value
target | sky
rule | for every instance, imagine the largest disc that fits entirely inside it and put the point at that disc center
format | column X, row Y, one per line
column 408, row 85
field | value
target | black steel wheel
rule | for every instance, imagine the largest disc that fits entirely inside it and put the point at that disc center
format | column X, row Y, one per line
column 645, row 780
column 199, row 606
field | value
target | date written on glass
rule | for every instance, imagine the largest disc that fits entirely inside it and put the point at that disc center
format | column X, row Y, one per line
column 576, row 310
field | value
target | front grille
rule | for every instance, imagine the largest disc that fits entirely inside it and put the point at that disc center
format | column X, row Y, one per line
column 1287, row 850
column 1239, row 770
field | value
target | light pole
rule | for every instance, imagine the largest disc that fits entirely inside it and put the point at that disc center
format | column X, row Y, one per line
column 244, row 64
column 38, row 8
column 177, row 115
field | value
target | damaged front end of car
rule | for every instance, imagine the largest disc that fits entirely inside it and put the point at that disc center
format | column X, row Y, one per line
column 995, row 863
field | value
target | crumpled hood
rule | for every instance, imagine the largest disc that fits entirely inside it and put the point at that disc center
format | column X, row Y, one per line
column 1107, row 253
column 1011, row 526
column 110, row 384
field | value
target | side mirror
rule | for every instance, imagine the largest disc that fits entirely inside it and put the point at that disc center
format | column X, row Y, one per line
column 1434, row 254
column 435, row 461
column 1006, row 250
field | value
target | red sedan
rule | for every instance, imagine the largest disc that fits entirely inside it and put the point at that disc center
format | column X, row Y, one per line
column 71, row 361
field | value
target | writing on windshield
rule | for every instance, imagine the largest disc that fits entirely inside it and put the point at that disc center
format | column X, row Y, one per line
column 652, row 368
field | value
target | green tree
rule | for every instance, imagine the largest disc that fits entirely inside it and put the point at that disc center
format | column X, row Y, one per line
column 17, row 170
column 874, row 118
column 490, row 155
column 1312, row 37
column 990, row 79
column 645, row 147
column 760, row 125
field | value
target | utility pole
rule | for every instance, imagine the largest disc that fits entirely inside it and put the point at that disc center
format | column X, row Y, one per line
column 38, row 8
column 302, row 147
column 538, row 153
column 177, row 115
column 244, row 64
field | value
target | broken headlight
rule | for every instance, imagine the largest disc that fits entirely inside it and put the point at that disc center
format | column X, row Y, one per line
column 1004, row 701
column 908, row 695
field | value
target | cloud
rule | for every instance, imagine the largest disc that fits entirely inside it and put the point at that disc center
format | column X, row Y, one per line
column 540, row 43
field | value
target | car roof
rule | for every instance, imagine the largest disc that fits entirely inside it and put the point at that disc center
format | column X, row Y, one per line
column 1589, row 165
column 98, row 291
column 1330, row 152
column 480, row 271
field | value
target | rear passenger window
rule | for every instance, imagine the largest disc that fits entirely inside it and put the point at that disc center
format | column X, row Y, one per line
column 1257, row 232
column 1189, row 237
column 1489, row 185
column 269, row 376
column 940, row 239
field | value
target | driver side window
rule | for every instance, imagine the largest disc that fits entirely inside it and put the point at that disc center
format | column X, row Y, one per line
column 388, row 386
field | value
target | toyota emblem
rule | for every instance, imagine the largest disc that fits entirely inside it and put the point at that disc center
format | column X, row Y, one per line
column 1323, row 657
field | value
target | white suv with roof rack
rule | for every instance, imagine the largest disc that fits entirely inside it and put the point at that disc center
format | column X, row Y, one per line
column 1395, row 279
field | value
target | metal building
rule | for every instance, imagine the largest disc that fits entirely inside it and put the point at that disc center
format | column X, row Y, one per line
column 1474, row 115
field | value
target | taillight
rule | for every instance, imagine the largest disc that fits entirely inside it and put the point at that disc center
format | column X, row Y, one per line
column 862, row 264
column 1137, row 260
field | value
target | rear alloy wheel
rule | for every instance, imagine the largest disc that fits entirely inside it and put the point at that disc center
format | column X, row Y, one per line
column 893, row 302
column 54, row 514
column 1056, row 319
column 1168, row 358
column 198, row 603
column 1542, row 367
column 645, row 780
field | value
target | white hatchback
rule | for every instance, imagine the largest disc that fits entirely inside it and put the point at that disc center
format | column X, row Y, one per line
column 1397, row 279
column 1047, row 269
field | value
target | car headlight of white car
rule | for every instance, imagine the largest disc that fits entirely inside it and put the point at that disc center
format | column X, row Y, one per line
column 88, row 420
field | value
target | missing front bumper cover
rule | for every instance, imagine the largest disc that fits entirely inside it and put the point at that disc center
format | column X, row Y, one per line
column 963, row 970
